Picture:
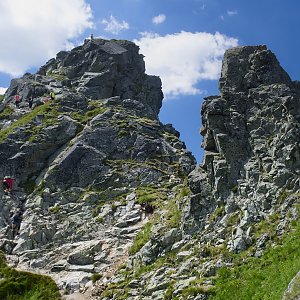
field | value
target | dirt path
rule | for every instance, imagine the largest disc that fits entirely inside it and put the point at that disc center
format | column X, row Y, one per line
column 75, row 296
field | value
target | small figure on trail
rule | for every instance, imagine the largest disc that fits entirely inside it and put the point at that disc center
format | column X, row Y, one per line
column 16, row 221
column 52, row 95
column 92, row 36
column 30, row 102
column 17, row 100
column 7, row 183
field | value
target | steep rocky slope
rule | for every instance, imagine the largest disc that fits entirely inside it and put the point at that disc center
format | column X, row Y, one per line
column 244, row 197
column 112, row 195
column 91, row 166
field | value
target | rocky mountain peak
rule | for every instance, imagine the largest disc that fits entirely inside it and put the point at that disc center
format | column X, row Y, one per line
column 247, row 67
column 107, row 68
column 250, row 140
column 98, row 69
column 90, row 166
column 112, row 194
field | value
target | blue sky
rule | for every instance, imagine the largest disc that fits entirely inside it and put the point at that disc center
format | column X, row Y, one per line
column 183, row 41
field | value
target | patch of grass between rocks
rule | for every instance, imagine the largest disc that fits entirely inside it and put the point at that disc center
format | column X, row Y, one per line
column 19, row 285
column 266, row 277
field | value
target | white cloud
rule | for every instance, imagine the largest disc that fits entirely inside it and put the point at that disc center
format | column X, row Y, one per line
column 32, row 31
column 159, row 19
column 2, row 90
column 114, row 26
column 231, row 13
column 183, row 59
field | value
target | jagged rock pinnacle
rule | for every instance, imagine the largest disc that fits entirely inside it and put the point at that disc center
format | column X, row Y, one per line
column 248, row 67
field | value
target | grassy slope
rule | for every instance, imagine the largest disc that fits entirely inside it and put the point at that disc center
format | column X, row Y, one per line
column 266, row 277
column 16, row 285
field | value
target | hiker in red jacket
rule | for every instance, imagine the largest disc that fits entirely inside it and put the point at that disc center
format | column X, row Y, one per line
column 7, row 183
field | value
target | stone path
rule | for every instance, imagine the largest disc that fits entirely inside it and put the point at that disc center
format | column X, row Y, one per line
column 75, row 296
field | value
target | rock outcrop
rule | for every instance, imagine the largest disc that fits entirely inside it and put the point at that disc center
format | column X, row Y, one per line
column 250, row 139
column 113, row 196
column 90, row 166
column 99, row 69
column 243, row 197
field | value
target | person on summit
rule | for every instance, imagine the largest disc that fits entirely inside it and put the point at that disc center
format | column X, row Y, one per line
column 7, row 183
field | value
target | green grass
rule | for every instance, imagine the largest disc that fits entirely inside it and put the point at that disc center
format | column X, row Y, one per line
column 57, row 76
column 55, row 209
column 218, row 213
column 96, row 277
column 266, row 277
column 6, row 112
column 18, row 285
column 47, row 109
column 283, row 195
column 195, row 288
column 123, row 133
column 173, row 215
column 150, row 195
column 169, row 293
column 141, row 239
column 89, row 115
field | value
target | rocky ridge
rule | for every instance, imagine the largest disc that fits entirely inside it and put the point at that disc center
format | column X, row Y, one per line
column 244, row 197
column 112, row 195
column 89, row 167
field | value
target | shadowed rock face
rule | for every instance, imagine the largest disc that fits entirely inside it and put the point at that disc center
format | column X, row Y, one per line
column 98, row 69
column 250, row 137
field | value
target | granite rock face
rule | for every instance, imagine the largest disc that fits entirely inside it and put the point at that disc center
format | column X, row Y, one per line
column 112, row 193
column 249, row 137
column 102, row 69
column 244, row 193
column 89, row 167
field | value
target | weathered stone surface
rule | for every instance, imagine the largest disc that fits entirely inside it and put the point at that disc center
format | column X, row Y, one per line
column 97, row 173
column 247, row 140
column 293, row 290
column 85, row 163
column 101, row 69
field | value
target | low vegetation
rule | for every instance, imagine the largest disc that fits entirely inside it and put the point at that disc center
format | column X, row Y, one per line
column 141, row 239
column 89, row 115
column 6, row 112
column 17, row 285
column 96, row 277
column 266, row 277
column 48, row 110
